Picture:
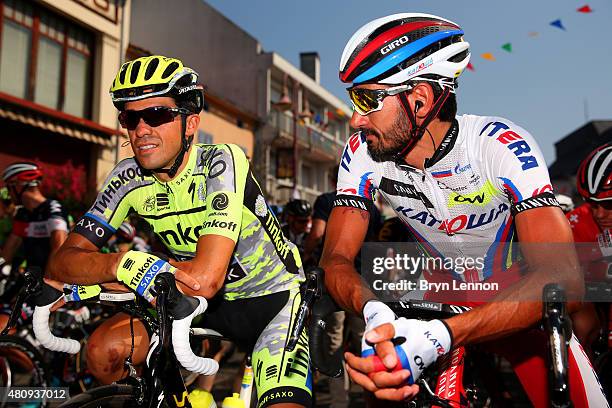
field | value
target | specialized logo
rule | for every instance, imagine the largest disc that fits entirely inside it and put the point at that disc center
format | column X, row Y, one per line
column 394, row 44
column 149, row 203
column 220, row 202
column 187, row 89
column 261, row 209
column 479, row 198
column 162, row 200
column 397, row 188
column 128, row 264
column 514, row 142
column 119, row 180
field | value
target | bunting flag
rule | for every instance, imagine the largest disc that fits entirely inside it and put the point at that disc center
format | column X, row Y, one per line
column 488, row 56
column 470, row 66
column 557, row 23
column 507, row 47
column 340, row 113
column 533, row 34
column 585, row 9
column 330, row 115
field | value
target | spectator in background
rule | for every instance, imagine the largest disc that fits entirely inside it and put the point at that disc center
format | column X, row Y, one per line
column 299, row 220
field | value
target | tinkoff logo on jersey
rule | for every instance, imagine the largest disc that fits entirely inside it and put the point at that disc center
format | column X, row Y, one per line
column 119, row 179
column 514, row 142
column 480, row 198
column 146, row 273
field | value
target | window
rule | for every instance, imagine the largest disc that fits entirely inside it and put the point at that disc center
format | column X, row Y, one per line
column 45, row 58
column 204, row 137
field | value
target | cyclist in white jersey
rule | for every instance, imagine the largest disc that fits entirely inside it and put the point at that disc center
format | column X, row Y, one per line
column 464, row 186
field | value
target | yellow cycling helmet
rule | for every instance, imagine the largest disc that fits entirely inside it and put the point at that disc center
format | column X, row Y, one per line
column 156, row 75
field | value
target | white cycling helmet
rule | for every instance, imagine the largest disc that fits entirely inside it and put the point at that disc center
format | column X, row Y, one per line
column 400, row 47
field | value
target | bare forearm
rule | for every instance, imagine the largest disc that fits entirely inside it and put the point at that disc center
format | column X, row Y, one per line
column 345, row 284
column 83, row 267
column 515, row 309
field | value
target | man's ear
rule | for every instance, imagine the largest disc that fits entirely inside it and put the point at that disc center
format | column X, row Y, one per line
column 193, row 122
column 423, row 96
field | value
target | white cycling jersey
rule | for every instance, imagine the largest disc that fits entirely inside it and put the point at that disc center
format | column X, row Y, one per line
column 485, row 171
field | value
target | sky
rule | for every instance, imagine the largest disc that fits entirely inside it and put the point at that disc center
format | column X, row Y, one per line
column 550, row 84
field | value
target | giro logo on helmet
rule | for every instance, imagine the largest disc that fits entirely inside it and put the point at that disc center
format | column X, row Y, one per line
column 390, row 47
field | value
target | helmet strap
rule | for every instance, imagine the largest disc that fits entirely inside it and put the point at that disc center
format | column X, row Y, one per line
column 417, row 131
column 185, row 144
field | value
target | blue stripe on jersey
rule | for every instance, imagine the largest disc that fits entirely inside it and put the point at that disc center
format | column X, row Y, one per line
column 403, row 54
column 101, row 221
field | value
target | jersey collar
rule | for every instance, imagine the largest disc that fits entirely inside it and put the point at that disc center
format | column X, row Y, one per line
column 187, row 171
column 446, row 145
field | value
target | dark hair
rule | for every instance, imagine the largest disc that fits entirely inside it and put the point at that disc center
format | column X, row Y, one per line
column 449, row 108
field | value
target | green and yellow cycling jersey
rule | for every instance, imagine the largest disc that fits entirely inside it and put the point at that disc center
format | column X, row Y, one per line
column 215, row 193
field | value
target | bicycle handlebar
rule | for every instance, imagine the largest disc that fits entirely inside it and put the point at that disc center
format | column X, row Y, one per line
column 182, row 348
column 40, row 323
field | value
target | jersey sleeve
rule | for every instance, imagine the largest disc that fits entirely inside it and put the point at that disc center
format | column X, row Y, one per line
column 356, row 175
column 112, row 205
column 58, row 218
column 516, row 166
column 226, row 168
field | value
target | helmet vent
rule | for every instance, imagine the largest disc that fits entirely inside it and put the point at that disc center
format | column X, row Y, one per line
column 134, row 72
column 459, row 57
column 170, row 69
column 151, row 68
column 123, row 72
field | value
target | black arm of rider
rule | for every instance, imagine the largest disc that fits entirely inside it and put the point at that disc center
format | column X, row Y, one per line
column 346, row 231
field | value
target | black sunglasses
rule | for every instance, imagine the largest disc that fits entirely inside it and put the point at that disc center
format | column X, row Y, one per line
column 154, row 116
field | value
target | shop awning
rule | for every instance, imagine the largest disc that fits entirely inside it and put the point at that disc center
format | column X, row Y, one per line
column 31, row 114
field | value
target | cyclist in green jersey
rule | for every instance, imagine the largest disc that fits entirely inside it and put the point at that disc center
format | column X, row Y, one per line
column 205, row 205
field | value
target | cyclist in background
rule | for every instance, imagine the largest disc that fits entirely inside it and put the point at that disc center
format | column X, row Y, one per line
column 592, row 222
column 298, row 214
column 40, row 224
column 205, row 205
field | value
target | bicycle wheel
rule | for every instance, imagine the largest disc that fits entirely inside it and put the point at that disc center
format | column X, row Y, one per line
column 23, row 365
column 106, row 396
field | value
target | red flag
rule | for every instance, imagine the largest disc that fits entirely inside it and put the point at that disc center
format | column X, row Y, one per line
column 470, row 66
column 585, row 9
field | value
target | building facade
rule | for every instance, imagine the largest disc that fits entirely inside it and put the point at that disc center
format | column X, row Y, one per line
column 57, row 59
column 244, row 86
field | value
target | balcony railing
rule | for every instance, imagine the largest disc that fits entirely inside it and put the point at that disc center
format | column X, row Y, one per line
column 308, row 135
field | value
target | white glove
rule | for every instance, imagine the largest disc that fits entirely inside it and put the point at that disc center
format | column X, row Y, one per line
column 375, row 313
column 424, row 342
